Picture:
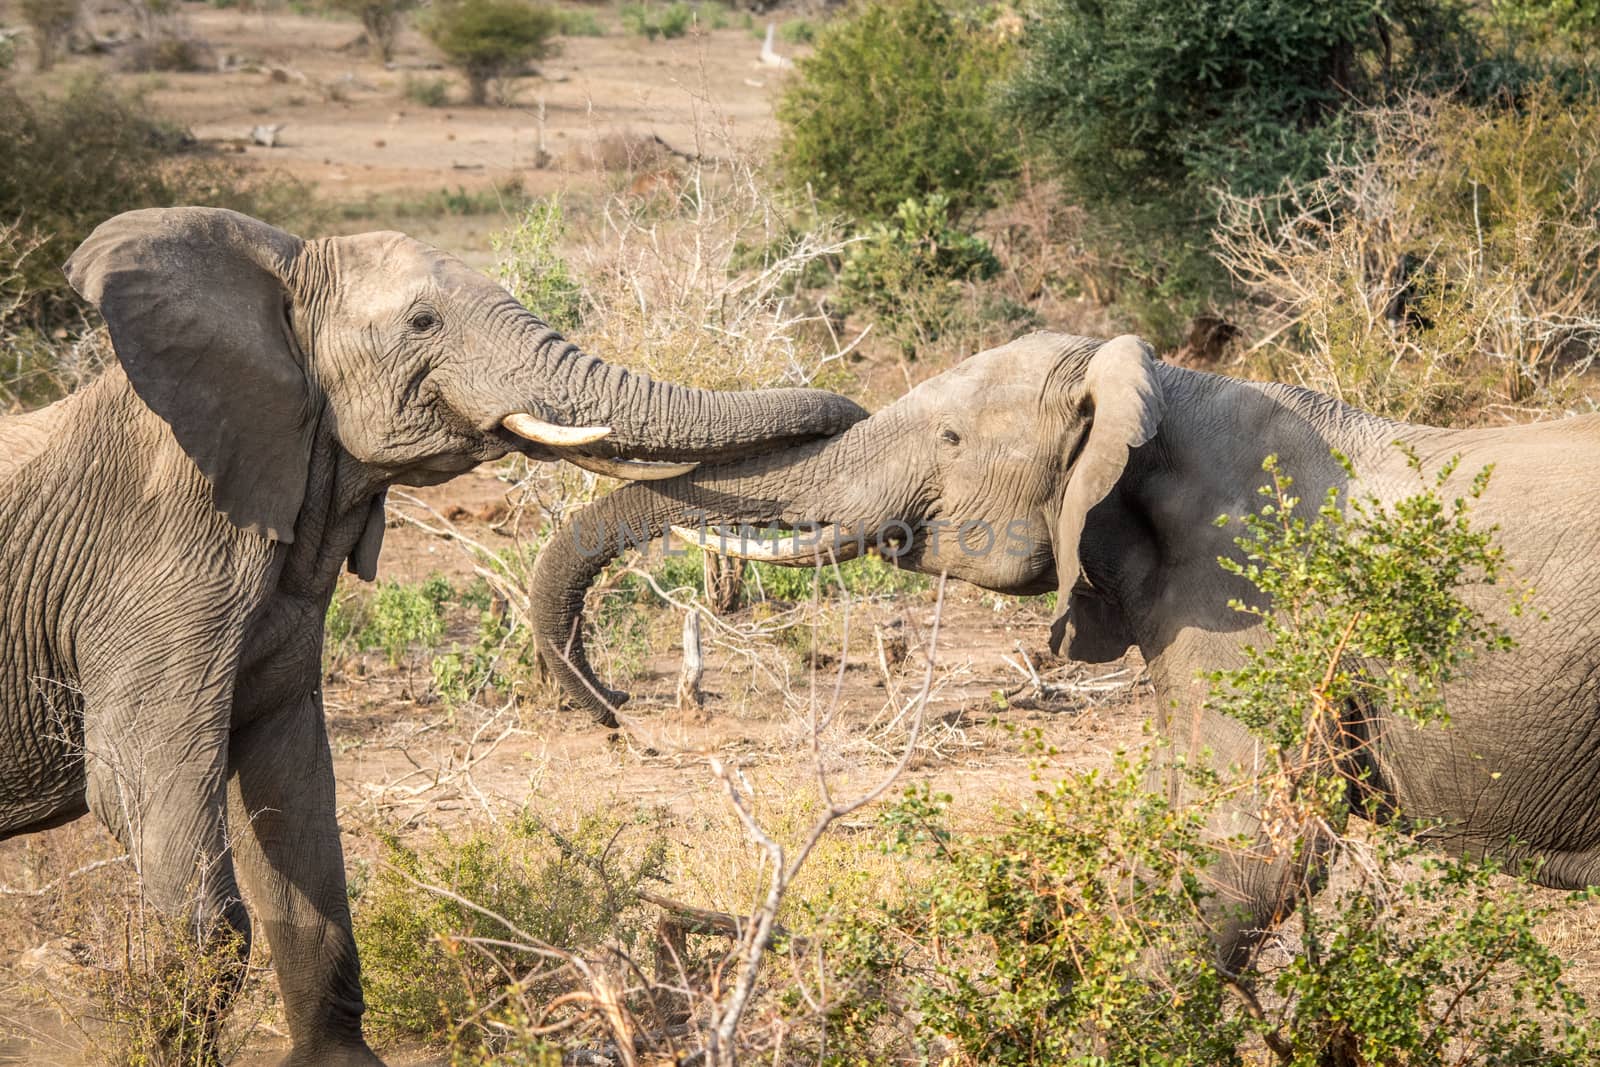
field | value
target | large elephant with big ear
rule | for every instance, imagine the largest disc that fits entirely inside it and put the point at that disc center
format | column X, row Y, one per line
column 1089, row 468
column 170, row 537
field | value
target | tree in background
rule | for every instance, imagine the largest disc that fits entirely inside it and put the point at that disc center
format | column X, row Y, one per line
column 488, row 40
column 1144, row 107
column 49, row 24
column 380, row 19
column 897, row 104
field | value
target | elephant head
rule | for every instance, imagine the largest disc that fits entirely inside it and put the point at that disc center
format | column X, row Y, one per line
column 250, row 343
column 988, row 472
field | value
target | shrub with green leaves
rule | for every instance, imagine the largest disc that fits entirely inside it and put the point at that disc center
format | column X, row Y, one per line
column 896, row 104
column 1367, row 610
column 396, row 618
column 429, row 92
column 577, row 22
column 501, row 656
column 490, row 40
column 653, row 20
column 1144, row 107
column 75, row 160
column 533, row 269
column 429, row 963
column 907, row 274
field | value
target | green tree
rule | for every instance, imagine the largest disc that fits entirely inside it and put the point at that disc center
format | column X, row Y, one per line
column 1140, row 99
column 1144, row 107
column 1576, row 23
column 49, row 23
column 488, row 40
column 380, row 19
column 896, row 104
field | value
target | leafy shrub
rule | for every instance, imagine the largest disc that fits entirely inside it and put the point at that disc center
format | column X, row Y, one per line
column 394, row 619
column 894, row 105
column 908, row 274
column 380, row 21
column 429, row 92
column 490, row 40
column 50, row 22
column 1455, row 268
column 651, row 21
column 578, row 22
column 533, row 270
column 74, row 161
column 797, row 31
column 430, row 963
column 1143, row 108
column 1143, row 100
column 168, row 52
column 501, row 658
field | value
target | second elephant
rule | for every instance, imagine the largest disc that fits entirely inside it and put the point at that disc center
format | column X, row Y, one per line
column 1090, row 468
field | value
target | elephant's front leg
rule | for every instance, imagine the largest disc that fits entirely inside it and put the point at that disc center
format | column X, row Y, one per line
column 155, row 754
column 286, row 840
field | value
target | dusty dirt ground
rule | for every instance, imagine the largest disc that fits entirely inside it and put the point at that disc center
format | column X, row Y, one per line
column 347, row 128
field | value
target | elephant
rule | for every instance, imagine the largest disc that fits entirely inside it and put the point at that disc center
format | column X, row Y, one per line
column 1092, row 469
column 171, row 535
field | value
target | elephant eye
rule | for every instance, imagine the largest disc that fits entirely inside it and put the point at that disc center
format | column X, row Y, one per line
column 424, row 321
column 950, row 437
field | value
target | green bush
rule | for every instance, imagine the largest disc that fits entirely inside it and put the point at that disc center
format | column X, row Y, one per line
column 532, row 268
column 490, row 40
column 380, row 21
column 895, row 104
column 420, row 969
column 76, row 160
column 1144, row 108
column 392, row 620
column 797, row 31
column 429, row 92
column 578, row 22
column 907, row 274
column 1144, row 100
column 653, row 20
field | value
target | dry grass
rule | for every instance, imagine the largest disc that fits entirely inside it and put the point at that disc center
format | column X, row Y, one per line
column 1451, row 277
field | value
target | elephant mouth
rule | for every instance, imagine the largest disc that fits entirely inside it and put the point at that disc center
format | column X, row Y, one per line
column 804, row 544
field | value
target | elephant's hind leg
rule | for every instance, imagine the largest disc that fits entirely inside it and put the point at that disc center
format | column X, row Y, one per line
column 1564, row 870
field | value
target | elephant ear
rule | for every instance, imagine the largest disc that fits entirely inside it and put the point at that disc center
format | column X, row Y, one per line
column 197, row 304
column 1121, row 397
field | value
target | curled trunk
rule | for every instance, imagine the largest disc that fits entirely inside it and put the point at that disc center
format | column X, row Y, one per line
column 800, row 485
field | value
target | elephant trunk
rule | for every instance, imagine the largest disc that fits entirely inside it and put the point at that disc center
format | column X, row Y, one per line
column 820, row 482
column 651, row 420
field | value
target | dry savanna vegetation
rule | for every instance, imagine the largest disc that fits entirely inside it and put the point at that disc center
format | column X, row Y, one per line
column 875, row 821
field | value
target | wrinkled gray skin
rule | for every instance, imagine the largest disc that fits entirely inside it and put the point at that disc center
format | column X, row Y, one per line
column 1110, row 468
column 170, row 537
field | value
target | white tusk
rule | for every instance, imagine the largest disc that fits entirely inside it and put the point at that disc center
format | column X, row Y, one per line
column 633, row 470
column 548, row 433
column 807, row 554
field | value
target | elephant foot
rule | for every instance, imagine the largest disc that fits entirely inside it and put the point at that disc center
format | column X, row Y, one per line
column 344, row 1056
